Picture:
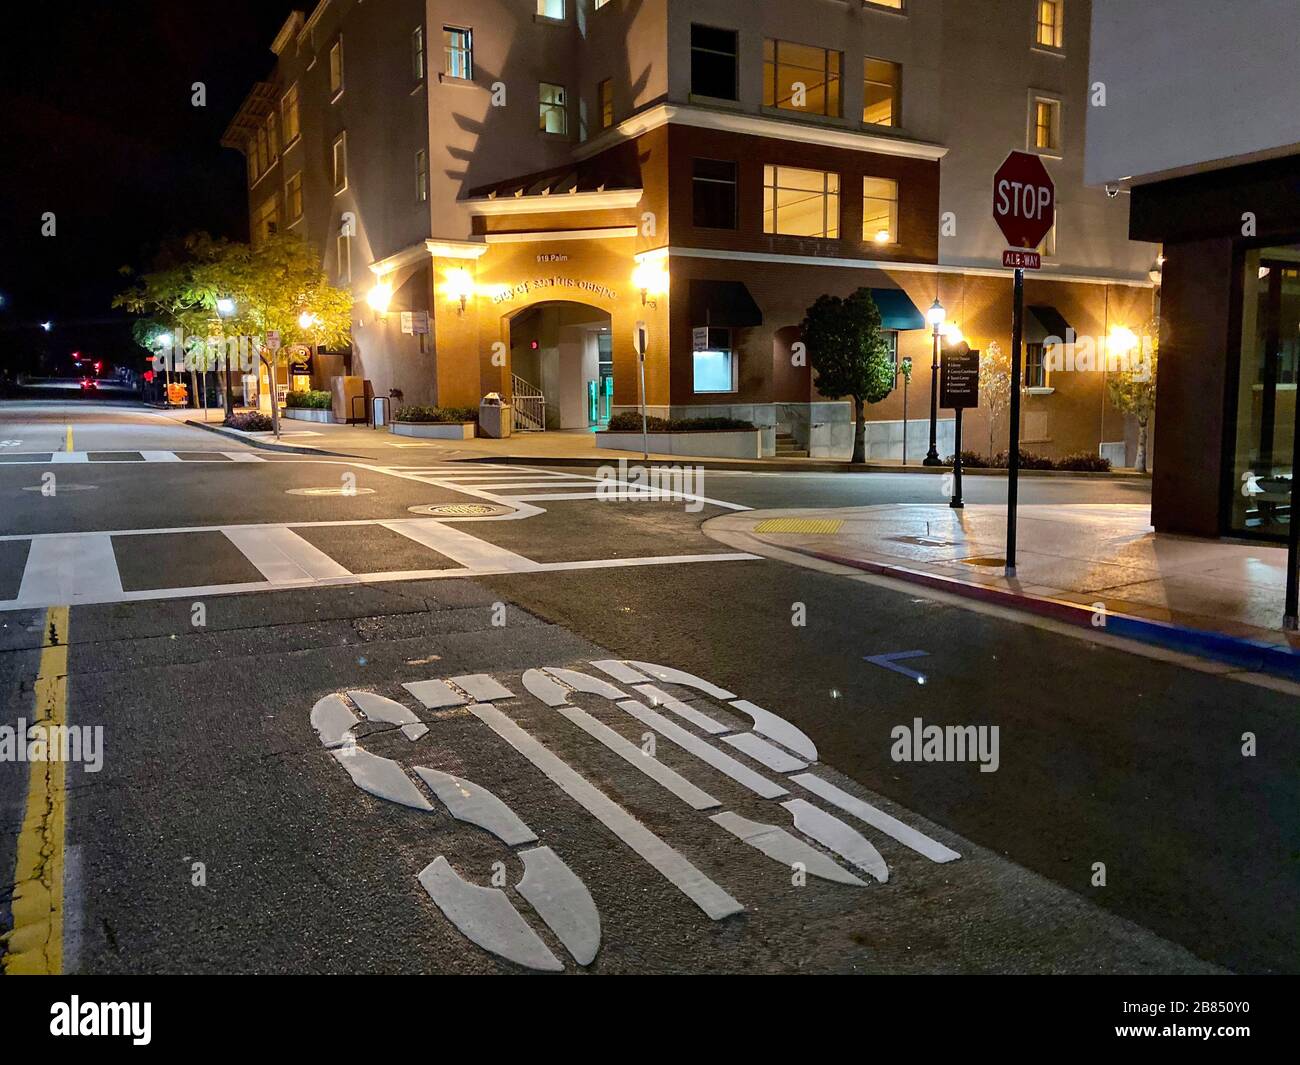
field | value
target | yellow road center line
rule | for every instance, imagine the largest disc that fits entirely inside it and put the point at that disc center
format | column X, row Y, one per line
column 35, row 945
column 69, row 444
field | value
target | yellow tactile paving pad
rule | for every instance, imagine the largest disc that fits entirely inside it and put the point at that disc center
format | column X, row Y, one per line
column 813, row 526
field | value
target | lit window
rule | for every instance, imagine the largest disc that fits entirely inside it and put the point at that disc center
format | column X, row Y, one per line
column 891, row 345
column 713, row 62
column 801, row 77
column 459, row 47
column 714, row 369
column 605, row 102
column 713, row 194
column 343, row 250
column 1051, row 23
column 266, row 222
column 601, row 3
column 289, row 114
column 336, row 68
column 1047, row 124
column 417, row 53
column 880, row 210
column 293, row 197
column 1047, row 248
column 1035, row 366
column 422, row 175
column 801, row 203
column 893, row 5
column 880, row 99
column 551, row 8
column 273, row 135
column 341, row 163
column 553, row 111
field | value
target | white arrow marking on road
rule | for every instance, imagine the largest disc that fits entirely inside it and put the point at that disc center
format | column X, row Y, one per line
column 888, row 662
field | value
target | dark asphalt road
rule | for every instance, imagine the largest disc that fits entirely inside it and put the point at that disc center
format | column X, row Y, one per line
column 1105, row 756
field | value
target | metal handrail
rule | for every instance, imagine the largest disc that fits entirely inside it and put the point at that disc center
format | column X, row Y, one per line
column 528, row 412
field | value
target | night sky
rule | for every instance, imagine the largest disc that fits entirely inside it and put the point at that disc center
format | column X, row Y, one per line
column 98, row 127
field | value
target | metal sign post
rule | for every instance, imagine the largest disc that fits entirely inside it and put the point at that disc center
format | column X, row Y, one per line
column 1024, row 207
column 959, row 388
column 640, row 338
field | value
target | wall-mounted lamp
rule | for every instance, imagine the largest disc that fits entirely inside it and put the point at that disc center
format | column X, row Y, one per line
column 379, row 298
column 651, row 277
column 460, row 287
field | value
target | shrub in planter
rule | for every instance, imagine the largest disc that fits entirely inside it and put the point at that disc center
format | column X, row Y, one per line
column 971, row 460
column 437, row 415
column 630, row 422
column 249, row 422
column 1084, row 461
column 1028, row 461
column 313, row 400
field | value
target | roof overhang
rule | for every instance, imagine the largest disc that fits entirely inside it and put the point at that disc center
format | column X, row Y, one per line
column 425, row 250
column 758, row 126
column 555, row 203
column 259, row 103
column 287, row 32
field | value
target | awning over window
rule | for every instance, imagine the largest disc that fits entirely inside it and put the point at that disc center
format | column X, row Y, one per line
column 724, row 304
column 1042, row 322
column 896, row 310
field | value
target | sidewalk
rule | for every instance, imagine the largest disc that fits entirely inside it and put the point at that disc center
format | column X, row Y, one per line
column 1200, row 596
column 564, row 447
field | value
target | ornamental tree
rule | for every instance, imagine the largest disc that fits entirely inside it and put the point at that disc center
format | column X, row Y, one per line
column 1132, row 387
column 848, row 353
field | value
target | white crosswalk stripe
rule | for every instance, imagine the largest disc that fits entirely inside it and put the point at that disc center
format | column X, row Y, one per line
column 70, row 569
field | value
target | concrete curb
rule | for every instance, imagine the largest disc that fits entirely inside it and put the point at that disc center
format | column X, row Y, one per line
column 1252, row 655
column 231, row 434
column 777, row 466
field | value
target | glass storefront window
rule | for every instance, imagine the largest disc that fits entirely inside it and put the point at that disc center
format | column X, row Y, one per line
column 1266, row 393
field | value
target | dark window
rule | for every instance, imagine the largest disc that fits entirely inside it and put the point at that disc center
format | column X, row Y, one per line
column 713, row 62
column 1035, row 367
column 713, row 192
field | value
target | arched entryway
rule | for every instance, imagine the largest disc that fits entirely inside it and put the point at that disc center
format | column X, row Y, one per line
column 562, row 351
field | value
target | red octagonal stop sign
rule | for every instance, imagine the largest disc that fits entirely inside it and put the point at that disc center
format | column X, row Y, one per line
column 1024, row 200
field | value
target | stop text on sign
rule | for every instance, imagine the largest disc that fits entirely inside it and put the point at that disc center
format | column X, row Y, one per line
column 1018, row 200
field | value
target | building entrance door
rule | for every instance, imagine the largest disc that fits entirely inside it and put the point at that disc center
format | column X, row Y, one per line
column 1266, row 393
column 560, row 355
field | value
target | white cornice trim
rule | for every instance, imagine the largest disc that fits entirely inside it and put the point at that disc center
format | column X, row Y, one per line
column 757, row 126
column 886, row 264
column 542, row 235
column 556, row 202
column 406, row 257
column 455, row 249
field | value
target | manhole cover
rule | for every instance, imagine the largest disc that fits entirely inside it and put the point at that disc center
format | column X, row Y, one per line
column 340, row 491
column 460, row 510
column 985, row 560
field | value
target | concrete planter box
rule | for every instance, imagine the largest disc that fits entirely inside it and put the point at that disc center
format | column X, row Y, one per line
column 714, row 443
column 436, row 430
column 308, row 414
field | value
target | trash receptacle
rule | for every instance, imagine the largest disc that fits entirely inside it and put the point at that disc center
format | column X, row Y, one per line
column 494, row 416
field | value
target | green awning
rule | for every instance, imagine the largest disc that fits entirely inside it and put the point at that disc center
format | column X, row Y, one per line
column 896, row 310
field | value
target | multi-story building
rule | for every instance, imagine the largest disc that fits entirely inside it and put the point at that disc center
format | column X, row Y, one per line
column 542, row 175
column 1201, row 133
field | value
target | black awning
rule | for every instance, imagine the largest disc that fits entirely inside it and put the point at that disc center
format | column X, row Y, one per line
column 725, row 304
column 1049, row 321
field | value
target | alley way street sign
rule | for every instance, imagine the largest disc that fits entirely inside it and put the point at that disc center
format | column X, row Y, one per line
column 1024, row 200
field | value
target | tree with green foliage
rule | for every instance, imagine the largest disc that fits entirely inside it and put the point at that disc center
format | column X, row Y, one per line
column 847, row 351
column 1132, row 386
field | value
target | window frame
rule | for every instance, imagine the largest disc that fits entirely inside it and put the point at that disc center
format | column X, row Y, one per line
column 605, row 102
column 421, row 175
column 545, row 107
column 733, row 364
column 467, row 52
column 870, row 238
column 343, row 257
column 1057, row 45
column 292, row 90
column 827, row 195
column 896, row 104
column 1037, row 96
column 734, row 56
column 336, row 49
column 563, row 16
column 735, row 194
column 341, row 139
column 419, row 55
column 291, row 218
column 772, row 66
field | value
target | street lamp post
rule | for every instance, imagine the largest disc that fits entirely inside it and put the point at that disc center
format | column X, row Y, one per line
column 935, row 316
column 226, row 309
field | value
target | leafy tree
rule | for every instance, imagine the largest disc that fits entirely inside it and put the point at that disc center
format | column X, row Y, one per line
column 1132, row 387
column 995, row 385
column 847, row 351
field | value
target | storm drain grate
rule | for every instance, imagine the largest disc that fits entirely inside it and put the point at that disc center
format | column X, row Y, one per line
column 815, row 526
column 459, row 510
column 985, row 560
